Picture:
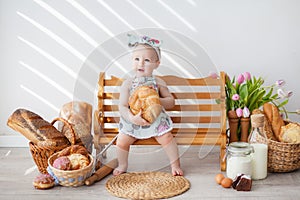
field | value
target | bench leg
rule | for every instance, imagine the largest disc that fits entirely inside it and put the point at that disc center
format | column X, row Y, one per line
column 222, row 158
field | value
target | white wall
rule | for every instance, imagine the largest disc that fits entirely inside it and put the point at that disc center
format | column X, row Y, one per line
column 44, row 44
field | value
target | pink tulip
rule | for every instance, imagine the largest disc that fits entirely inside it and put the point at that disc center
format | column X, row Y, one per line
column 246, row 112
column 280, row 83
column 213, row 75
column 247, row 76
column 239, row 112
column 240, row 79
column 235, row 97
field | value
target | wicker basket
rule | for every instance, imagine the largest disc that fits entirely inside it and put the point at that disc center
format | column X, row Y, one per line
column 71, row 177
column 41, row 155
column 282, row 157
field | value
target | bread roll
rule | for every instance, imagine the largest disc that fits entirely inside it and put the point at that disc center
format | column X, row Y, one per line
column 273, row 116
column 78, row 161
column 36, row 129
column 146, row 99
column 290, row 133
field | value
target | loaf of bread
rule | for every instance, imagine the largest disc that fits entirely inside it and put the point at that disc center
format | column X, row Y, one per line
column 79, row 115
column 145, row 99
column 290, row 133
column 36, row 129
column 272, row 113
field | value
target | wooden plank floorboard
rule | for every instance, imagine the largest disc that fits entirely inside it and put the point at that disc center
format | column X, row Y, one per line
column 17, row 173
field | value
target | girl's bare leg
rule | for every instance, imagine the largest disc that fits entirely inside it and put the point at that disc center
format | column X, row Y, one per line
column 170, row 146
column 123, row 145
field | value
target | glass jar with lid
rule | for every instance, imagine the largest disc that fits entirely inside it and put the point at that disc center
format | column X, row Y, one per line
column 239, row 160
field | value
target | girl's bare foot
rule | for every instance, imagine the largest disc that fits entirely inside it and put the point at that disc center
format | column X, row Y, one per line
column 177, row 171
column 118, row 171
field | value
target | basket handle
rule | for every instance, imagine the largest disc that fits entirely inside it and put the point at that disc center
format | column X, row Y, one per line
column 72, row 139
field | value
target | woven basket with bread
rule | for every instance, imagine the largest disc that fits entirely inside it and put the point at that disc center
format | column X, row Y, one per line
column 283, row 140
column 71, row 166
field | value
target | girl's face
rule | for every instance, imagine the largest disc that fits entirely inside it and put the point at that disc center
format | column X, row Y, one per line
column 145, row 60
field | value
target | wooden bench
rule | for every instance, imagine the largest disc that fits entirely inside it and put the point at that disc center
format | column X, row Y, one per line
column 199, row 114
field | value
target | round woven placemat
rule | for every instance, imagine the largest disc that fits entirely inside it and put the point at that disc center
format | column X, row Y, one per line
column 147, row 185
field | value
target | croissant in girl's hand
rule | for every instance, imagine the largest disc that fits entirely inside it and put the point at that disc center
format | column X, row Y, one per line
column 146, row 99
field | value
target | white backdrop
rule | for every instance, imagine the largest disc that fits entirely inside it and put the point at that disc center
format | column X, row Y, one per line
column 45, row 43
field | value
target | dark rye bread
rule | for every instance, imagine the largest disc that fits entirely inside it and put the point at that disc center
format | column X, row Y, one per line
column 36, row 129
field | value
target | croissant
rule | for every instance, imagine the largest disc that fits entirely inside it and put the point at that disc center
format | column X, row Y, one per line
column 146, row 99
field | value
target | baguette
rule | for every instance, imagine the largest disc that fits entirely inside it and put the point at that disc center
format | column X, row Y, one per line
column 36, row 129
column 273, row 116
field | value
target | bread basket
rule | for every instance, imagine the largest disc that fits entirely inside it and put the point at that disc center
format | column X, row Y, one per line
column 70, row 177
column 40, row 155
column 283, row 157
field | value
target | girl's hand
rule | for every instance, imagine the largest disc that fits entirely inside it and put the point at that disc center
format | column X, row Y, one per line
column 139, row 120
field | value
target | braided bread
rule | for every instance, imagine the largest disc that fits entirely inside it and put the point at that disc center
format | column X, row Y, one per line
column 146, row 99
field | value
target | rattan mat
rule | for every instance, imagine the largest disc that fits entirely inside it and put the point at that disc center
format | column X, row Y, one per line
column 147, row 185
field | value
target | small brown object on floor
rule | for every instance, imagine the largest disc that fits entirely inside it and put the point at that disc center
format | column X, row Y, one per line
column 226, row 182
column 244, row 184
column 43, row 181
column 219, row 178
column 236, row 180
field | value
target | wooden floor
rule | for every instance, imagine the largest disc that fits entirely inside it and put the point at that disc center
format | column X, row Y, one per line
column 18, row 171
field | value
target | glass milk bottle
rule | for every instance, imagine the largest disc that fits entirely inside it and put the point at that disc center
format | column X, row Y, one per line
column 258, row 140
column 239, row 160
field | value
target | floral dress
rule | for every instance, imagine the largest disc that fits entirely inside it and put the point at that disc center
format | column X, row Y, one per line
column 160, row 126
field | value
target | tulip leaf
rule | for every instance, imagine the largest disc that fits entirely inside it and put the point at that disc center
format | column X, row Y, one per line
column 283, row 103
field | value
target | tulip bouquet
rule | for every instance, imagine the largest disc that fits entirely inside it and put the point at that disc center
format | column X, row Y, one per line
column 246, row 93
